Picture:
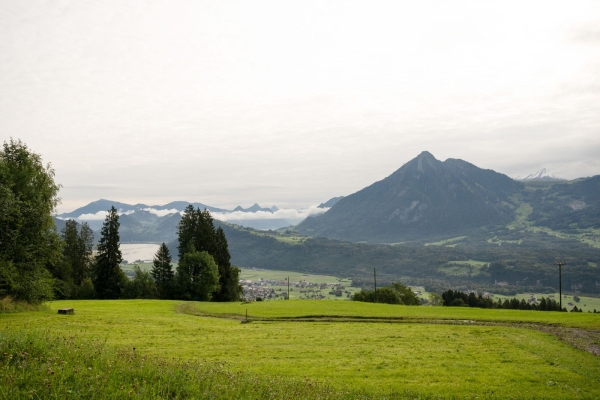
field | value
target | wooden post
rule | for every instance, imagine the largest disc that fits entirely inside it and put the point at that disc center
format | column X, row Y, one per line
column 375, row 281
column 560, row 264
column 246, row 315
column 288, row 288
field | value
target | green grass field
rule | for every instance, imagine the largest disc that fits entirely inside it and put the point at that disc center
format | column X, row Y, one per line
column 415, row 357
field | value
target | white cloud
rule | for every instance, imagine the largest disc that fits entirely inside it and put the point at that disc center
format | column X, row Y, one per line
column 161, row 213
column 340, row 97
column 289, row 214
column 99, row 216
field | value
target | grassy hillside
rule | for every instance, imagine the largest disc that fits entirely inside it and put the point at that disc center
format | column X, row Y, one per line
column 413, row 359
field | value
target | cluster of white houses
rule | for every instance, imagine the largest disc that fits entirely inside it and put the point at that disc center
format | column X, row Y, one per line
column 264, row 289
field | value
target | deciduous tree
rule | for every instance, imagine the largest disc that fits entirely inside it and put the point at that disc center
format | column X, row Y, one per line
column 198, row 276
column 29, row 243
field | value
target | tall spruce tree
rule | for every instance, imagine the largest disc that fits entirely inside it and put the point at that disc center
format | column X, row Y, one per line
column 162, row 271
column 186, row 230
column 229, row 275
column 79, row 241
column 204, row 239
column 109, row 277
column 197, row 234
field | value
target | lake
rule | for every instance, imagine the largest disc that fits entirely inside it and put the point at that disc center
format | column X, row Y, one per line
column 139, row 251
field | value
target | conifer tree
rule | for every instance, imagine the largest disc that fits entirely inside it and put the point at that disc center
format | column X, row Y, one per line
column 229, row 275
column 109, row 277
column 162, row 271
column 204, row 239
column 197, row 234
column 186, row 230
column 79, row 240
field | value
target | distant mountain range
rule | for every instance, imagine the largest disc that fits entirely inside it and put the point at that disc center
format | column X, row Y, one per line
column 142, row 222
column 104, row 205
column 446, row 220
column 426, row 200
column 430, row 199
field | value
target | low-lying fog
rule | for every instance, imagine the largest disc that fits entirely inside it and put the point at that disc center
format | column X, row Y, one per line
column 138, row 251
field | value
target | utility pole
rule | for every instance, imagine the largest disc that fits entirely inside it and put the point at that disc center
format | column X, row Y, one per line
column 560, row 264
column 288, row 288
column 375, row 281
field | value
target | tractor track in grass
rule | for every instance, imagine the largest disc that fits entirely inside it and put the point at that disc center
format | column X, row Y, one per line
column 582, row 339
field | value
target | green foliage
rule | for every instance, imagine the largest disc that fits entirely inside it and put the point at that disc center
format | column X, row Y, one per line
column 109, row 278
column 79, row 241
column 85, row 290
column 435, row 299
column 162, row 272
column 455, row 298
column 397, row 293
column 197, row 275
column 142, row 286
column 525, row 264
column 196, row 228
column 407, row 296
column 229, row 275
column 29, row 243
column 196, row 234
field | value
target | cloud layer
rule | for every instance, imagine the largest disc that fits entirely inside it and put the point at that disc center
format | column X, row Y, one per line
column 287, row 214
column 235, row 102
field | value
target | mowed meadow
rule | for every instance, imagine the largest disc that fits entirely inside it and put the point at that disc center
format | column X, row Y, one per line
column 355, row 349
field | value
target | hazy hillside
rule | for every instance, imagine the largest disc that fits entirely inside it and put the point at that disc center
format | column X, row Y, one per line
column 481, row 264
column 424, row 197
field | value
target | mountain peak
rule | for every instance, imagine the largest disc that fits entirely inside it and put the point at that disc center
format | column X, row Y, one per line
column 425, row 196
column 422, row 162
column 425, row 154
column 541, row 175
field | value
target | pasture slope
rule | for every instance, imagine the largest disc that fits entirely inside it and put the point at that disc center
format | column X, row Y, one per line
column 356, row 348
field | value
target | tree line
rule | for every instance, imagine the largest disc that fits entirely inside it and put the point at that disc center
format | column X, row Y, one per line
column 396, row 293
column 37, row 263
column 204, row 271
column 455, row 298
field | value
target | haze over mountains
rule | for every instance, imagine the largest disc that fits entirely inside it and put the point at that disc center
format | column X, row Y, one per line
column 142, row 222
column 424, row 197
column 428, row 198
column 424, row 200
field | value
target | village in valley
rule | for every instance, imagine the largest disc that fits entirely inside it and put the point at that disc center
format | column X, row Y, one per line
column 262, row 284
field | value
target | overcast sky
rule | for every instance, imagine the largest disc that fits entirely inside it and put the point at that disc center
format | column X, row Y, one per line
column 294, row 102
